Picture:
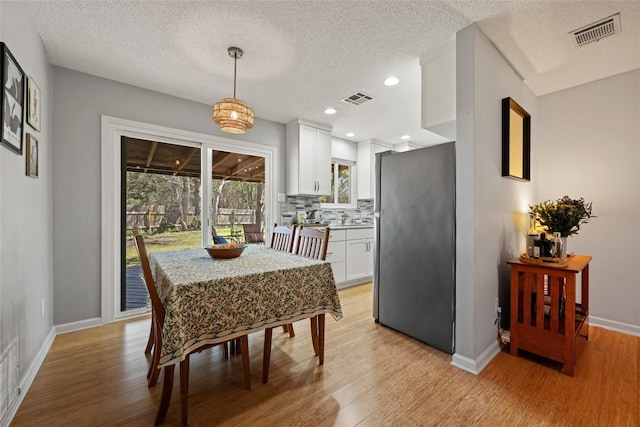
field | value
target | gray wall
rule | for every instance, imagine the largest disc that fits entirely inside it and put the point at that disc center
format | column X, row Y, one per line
column 79, row 102
column 491, row 210
column 591, row 135
column 25, row 205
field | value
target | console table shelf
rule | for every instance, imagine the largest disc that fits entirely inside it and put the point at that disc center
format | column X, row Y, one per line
column 546, row 319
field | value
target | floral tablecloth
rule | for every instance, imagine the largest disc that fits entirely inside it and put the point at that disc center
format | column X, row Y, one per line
column 208, row 301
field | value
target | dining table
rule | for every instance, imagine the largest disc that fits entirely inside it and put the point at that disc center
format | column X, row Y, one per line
column 209, row 301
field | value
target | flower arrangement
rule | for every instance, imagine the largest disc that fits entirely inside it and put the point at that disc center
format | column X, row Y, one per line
column 564, row 215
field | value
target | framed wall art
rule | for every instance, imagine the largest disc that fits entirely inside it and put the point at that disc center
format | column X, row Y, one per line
column 32, row 156
column 33, row 104
column 516, row 141
column 12, row 99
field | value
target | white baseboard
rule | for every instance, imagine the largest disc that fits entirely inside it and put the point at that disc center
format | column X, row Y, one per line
column 78, row 326
column 354, row 282
column 475, row 366
column 613, row 325
column 29, row 376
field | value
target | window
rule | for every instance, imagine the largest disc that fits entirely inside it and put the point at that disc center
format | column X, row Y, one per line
column 341, row 185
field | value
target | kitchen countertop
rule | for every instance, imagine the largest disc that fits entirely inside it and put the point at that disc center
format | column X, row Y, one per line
column 340, row 226
column 346, row 226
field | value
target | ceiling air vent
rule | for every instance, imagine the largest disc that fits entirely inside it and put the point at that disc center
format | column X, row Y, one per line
column 357, row 98
column 597, row 30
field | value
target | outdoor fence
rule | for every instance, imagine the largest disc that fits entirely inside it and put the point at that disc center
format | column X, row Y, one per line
column 151, row 217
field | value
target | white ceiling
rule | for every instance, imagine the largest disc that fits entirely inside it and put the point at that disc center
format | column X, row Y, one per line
column 303, row 56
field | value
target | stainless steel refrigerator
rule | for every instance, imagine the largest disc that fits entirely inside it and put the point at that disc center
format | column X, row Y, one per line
column 414, row 256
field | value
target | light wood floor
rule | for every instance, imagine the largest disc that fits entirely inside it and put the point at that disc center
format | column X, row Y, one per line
column 372, row 376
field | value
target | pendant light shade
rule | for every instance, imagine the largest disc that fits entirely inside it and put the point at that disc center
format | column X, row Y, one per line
column 231, row 114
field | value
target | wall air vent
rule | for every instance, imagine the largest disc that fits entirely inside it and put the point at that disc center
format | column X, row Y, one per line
column 596, row 30
column 357, row 98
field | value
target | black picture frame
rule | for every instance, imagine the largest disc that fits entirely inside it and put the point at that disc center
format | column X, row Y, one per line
column 516, row 141
column 12, row 100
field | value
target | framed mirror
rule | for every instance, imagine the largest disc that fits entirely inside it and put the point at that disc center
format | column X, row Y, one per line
column 516, row 141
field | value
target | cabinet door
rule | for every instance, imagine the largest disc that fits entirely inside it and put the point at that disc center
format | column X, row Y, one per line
column 375, row 148
column 335, row 251
column 338, row 271
column 356, row 259
column 367, row 169
column 307, row 160
column 323, row 162
column 369, row 259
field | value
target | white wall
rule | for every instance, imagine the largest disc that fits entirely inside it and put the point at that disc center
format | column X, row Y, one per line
column 25, row 205
column 80, row 100
column 491, row 209
column 589, row 145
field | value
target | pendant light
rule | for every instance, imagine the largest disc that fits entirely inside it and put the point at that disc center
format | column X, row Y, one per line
column 231, row 114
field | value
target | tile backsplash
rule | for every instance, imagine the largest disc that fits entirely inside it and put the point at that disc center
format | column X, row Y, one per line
column 295, row 205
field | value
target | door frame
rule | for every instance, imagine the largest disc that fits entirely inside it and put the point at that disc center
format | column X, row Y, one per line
column 113, row 129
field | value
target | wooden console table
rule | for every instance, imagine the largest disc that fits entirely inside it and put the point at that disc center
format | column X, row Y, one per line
column 545, row 318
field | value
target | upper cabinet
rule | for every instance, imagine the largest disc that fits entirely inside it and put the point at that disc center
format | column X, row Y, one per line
column 308, row 165
column 439, row 91
column 367, row 166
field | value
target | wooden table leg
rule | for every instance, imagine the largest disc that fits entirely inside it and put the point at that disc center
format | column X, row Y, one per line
column 584, row 279
column 314, row 333
column 321, row 337
column 184, row 390
column 167, row 387
column 569, row 325
column 266, row 355
column 244, row 350
column 515, row 284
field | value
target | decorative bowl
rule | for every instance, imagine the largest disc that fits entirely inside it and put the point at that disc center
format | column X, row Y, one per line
column 226, row 251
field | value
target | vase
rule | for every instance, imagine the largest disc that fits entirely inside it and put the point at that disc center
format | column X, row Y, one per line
column 563, row 251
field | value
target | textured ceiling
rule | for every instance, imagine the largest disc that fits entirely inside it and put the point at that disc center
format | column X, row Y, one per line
column 303, row 56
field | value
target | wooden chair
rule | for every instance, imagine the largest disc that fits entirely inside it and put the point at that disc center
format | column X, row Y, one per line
column 253, row 233
column 157, row 317
column 310, row 242
column 157, row 312
column 151, row 341
column 282, row 238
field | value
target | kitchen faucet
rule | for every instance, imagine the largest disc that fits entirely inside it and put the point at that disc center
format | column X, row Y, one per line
column 345, row 216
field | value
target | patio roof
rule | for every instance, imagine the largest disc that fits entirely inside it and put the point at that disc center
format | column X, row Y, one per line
column 171, row 159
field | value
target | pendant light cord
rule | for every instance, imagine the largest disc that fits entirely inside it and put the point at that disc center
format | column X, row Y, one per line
column 235, row 64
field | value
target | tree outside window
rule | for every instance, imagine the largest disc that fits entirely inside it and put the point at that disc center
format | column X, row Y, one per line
column 341, row 184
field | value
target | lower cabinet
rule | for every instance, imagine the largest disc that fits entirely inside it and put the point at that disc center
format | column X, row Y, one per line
column 359, row 259
column 350, row 253
column 336, row 254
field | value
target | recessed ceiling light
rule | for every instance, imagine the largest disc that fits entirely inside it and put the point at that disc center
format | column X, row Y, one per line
column 350, row 134
column 330, row 111
column 391, row 81
column 405, row 137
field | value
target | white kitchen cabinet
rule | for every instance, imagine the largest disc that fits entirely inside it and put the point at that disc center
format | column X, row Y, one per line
column 366, row 167
column 308, row 164
column 439, row 90
column 350, row 252
column 359, row 248
column 336, row 254
column 359, row 259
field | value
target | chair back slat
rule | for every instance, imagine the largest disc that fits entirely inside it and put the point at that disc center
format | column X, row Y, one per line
column 312, row 242
column 156, row 303
column 282, row 238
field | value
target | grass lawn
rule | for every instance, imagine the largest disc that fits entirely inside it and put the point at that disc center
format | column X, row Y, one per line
column 168, row 241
